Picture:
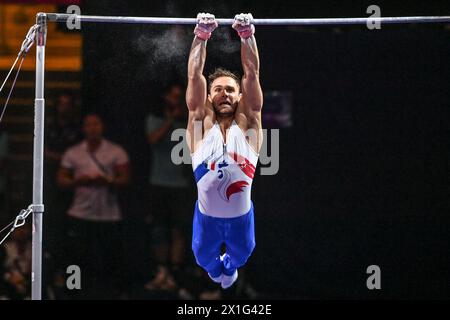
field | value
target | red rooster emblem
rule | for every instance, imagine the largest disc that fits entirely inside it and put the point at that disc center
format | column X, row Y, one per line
column 236, row 187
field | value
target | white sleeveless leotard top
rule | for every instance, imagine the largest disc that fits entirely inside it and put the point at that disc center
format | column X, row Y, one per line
column 224, row 172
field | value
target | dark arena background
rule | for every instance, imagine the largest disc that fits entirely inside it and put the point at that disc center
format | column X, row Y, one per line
column 363, row 172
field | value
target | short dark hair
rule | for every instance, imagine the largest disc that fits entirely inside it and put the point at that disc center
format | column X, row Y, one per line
column 168, row 88
column 93, row 114
column 221, row 72
column 67, row 94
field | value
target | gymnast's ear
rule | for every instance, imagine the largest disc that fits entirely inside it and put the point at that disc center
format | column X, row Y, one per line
column 209, row 98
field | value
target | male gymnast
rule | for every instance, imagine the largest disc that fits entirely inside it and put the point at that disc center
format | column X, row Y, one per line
column 224, row 136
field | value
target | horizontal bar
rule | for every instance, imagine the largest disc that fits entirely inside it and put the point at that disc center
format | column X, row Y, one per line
column 63, row 17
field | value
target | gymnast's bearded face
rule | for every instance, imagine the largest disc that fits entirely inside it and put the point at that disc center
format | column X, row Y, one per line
column 224, row 96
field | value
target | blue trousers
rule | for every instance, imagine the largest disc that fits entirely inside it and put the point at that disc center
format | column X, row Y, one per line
column 209, row 233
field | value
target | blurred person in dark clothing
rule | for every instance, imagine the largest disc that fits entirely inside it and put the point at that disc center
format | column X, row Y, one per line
column 3, row 172
column 4, row 294
column 96, row 169
column 16, row 264
column 62, row 131
column 170, row 191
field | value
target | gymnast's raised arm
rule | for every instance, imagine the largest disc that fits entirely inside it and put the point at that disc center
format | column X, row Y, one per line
column 252, row 97
column 251, row 102
column 196, row 89
column 196, row 92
